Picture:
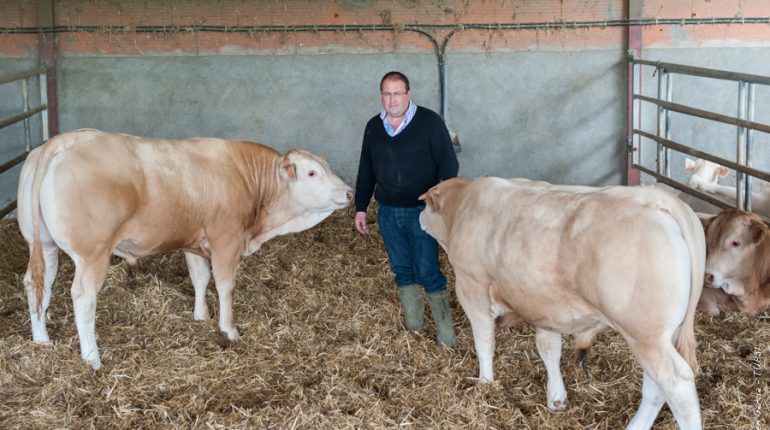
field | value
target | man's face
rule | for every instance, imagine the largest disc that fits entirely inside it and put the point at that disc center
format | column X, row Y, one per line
column 395, row 98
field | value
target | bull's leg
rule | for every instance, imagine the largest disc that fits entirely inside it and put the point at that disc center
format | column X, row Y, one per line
column 477, row 307
column 652, row 402
column 549, row 348
column 88, row 280
column 674, row 378
column 37, row 319
column 224, row 265
column 200, row 274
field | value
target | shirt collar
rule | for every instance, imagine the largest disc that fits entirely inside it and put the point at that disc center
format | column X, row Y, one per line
column 408, row 115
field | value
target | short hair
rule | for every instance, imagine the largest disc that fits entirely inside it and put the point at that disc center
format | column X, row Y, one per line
column 395, row 76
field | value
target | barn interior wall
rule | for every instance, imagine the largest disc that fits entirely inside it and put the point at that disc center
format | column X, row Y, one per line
column 547, row 101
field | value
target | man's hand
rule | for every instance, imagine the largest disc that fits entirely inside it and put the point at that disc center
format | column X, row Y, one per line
column 361, row 223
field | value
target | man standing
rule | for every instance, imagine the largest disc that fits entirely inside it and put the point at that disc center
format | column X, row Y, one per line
column 406, row 150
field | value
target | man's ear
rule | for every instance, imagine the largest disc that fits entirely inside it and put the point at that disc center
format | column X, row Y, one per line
column 288, row 170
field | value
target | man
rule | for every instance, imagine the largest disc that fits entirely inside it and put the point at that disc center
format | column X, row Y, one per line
column 406, row 150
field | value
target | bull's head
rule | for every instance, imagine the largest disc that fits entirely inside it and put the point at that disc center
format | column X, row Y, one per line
column 312, row 184
column 738, row 250
column 704, row 171
column 436, row 218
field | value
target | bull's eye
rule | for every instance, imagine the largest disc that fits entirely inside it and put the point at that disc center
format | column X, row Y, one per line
column 311, row 173
column 735, row 244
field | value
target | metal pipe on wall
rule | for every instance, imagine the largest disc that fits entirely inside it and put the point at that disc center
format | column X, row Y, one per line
column 47, row 59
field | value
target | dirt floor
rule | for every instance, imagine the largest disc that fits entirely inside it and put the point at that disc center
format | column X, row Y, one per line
column 322, row 346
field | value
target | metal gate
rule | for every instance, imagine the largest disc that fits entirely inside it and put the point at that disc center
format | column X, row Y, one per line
column 657, row 163
column 24, row 116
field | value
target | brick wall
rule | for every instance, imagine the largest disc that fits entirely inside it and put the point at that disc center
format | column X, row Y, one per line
column 116, row 24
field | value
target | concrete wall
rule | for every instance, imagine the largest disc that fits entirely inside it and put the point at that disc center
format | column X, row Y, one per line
column 546, row 102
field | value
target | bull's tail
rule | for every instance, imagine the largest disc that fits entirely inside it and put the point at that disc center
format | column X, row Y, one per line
column 36, row 268
column 692, row 231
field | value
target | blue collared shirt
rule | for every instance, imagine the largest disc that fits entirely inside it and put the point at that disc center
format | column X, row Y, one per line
column 408, row 115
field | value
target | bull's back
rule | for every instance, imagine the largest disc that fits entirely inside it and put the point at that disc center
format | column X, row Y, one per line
column 592, row 247
column 155, row 193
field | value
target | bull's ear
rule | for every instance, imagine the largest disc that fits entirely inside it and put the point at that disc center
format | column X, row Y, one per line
column 689, row 164
column 288, row 170
column 758, row 231
column 722, row 171
column 431, row 198
column 705, row 219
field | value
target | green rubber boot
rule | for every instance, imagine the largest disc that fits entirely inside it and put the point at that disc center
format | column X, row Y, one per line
column 412, row 305
column 442, row 317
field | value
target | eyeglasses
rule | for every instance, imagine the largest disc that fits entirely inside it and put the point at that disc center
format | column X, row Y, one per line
column 396, row 94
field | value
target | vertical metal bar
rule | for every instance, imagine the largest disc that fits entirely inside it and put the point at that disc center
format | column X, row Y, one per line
column 634, row 118
column 660, row 125
column 667, row 125
column 635, row 11
column 47, row 58
column 25, row 104
column 749, row 142
column 44, row 101
column 740, row 146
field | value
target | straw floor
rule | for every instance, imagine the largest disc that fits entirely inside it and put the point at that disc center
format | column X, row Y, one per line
column 322, row 346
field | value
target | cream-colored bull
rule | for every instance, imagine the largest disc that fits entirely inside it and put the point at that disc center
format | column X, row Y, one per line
column 94, row 194
column 738, row 262
column 576, row 260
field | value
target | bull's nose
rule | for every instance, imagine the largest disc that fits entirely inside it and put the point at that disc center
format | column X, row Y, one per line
column 349, row 195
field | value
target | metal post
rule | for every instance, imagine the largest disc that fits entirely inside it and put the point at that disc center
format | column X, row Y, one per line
column 749, row 142
column 25, row 104
column 47, row 58
column 634, row 117
column 660, row 125
column 667, row 125
column 740, row 156
column 44, row 101
column 635, row 11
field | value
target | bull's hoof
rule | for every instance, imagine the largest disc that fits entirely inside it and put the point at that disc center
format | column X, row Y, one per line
column 557, row 405
column 203, row 315
column 44, row 342
column 95, row 364
column 224, row 340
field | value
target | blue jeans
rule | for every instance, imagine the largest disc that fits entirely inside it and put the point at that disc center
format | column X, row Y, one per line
column 413, row 253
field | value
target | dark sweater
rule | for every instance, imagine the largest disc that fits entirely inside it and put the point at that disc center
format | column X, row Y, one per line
column 398, row 169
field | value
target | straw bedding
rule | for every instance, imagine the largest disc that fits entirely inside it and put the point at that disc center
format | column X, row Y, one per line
column 322, row 346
